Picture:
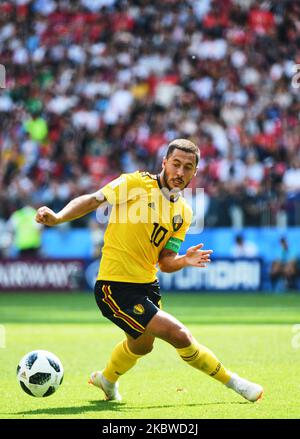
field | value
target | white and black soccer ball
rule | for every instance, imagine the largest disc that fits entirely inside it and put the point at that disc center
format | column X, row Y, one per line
column 40, row 373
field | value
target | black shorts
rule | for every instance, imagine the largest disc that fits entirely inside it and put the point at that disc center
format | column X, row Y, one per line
column 130, row 306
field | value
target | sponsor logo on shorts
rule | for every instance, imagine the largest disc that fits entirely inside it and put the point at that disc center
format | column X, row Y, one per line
column 138, row 309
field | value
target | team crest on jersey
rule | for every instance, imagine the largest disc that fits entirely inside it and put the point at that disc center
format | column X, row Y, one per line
column 177, row 222
column 138, row 309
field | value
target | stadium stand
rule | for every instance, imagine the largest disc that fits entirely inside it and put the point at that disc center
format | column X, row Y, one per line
column 98, row 87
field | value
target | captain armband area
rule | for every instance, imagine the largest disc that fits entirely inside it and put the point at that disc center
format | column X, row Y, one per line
column 174, row 244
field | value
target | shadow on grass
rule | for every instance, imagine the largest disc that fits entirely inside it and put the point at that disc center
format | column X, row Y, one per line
column 93, row 406
column 102, row 406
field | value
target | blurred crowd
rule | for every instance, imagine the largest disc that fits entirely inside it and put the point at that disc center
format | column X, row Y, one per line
column 99, row 87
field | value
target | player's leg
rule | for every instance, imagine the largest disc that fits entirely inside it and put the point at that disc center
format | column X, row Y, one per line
column 123, row 357
column 131, row 312
column 166, row 327
column 142, row 345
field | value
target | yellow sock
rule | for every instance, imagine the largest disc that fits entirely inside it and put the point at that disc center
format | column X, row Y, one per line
column 121, row 360
column 201, row 358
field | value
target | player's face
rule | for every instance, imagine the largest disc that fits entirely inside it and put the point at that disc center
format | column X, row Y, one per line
column 179, row 169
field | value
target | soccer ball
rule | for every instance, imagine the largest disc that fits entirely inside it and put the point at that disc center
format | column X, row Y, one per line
column 40, row 373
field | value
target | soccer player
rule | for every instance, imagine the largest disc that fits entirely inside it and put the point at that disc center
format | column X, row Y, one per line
column 148, row 222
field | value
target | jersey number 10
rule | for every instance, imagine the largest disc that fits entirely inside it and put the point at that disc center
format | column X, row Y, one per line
column 158, row 234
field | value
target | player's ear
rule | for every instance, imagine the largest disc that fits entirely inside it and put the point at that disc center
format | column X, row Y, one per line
column 164, row 162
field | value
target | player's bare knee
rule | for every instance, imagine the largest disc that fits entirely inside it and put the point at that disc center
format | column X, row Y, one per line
column 140, row 349
column 144, row 350
column 181, row 338
column 147, row 349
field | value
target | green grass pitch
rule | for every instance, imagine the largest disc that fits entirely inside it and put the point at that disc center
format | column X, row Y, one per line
column 253, row 335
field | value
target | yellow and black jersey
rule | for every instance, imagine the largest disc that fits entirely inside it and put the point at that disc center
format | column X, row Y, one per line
column 142, row 220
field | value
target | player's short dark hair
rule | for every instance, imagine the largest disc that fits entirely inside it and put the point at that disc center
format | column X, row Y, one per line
column 184, row 145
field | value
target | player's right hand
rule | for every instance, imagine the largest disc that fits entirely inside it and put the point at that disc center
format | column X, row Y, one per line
column 46, row 216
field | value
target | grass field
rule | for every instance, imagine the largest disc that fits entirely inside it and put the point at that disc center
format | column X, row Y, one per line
column 253, row 335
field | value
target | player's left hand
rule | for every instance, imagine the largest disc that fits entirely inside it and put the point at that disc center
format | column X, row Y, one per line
column 195, row 257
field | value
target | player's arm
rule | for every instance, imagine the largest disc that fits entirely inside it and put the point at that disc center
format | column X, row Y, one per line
column 170, row 261
column 76, row 208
